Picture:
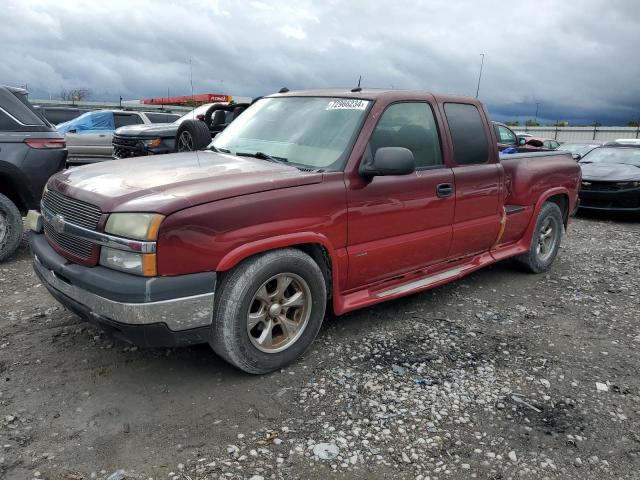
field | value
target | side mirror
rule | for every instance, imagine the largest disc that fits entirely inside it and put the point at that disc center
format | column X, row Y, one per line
column 522, row 141
column 73, row 130
column 576, row 156
column 389, row 161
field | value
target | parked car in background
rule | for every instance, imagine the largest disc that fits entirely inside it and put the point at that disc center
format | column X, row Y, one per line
column 309, row 199
column 30, row 152
column 89, row 136
column 55, row 115
column 625, row 141
column 579, row 149
column 611, row 178
column 192, row 131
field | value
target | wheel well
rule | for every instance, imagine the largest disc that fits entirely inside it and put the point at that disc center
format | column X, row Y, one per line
column 8, row 189
column 321, row 256
column 562, row 200
column 316, row 251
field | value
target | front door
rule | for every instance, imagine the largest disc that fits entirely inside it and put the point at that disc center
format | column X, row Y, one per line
column 401, row 223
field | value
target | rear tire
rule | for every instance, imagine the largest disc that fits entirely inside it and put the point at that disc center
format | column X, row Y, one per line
column 545, row 241
column 192, row 135
column 11, row 228
column 268, row 310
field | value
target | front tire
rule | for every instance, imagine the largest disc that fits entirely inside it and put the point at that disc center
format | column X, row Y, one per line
column 11, row 227
column 268, row 310
column 545, row 242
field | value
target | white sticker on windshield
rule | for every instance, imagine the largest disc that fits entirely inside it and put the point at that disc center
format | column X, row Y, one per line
column 347, row 104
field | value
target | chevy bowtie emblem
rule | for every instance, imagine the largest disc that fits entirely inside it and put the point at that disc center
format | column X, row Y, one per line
column 586, row 184
column 57, row 222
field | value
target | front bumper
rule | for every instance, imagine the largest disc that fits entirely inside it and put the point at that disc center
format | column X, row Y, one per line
column 627, row 200
column 150, row 312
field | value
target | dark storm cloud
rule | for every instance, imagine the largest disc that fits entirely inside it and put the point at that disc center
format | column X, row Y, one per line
column 576, row 61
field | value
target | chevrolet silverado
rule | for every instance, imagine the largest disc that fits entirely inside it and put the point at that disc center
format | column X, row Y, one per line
column 309, row 200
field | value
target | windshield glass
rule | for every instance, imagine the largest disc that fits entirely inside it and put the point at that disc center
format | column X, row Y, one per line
column 627, row 156
column 577, row 148
column 312, row 132
column 201, row 110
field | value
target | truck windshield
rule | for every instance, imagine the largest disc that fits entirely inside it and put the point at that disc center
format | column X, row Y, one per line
column 308, row 132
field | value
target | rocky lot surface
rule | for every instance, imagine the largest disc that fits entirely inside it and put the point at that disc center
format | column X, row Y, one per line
column 501, row 375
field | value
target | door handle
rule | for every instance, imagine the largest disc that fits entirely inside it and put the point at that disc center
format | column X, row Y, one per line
column 444, row 190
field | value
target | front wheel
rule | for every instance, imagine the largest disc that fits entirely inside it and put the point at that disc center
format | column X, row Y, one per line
column 269, row 310
column 545, row 242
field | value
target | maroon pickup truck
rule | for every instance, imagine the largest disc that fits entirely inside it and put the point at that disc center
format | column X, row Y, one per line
column 310, row 200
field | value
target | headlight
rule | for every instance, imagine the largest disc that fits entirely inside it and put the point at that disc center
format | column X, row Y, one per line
column 628, row 184
column 138, row 226
column 136, row 263
column 154, row 142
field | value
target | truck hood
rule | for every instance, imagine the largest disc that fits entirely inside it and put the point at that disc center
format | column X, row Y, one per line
column 168, row 183
column 609, row 172
column 154, row 130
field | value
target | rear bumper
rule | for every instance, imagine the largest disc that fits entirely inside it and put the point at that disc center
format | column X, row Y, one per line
column 150, row 312
column 627, row 200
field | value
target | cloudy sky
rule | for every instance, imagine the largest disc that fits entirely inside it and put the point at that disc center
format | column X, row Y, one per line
column 579, row 60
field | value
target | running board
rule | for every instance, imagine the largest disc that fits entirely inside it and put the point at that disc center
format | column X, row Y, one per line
column 427, row 281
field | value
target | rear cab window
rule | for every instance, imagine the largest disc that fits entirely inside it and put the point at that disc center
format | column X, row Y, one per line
column 123, row 119
column 506, row 136
column 468, row 134
column 162, row 117
column 17, row 114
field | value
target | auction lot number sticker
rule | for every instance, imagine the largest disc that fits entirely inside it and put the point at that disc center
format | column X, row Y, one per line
column 347, row 104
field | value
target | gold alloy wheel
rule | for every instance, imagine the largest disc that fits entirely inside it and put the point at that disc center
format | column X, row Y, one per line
column 546, row 238
column 279, row 312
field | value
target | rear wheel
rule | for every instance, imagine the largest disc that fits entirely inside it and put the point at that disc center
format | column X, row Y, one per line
column 192, row 135
column 10, row 227
column 268, row 310
column 545, row 242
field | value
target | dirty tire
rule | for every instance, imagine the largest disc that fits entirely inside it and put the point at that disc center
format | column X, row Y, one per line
column 10, row 228
column 538, row 259
column 236, row 296
column 192, row 135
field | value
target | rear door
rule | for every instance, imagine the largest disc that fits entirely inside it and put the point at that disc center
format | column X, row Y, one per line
column 401, row 223
column 478, row 181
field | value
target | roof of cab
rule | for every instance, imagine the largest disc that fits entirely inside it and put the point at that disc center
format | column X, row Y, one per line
column 375, row 94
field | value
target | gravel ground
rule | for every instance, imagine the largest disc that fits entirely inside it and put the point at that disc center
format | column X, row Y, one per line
column 501, row 375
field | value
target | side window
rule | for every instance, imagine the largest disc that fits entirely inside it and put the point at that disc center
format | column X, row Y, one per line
column 6, row 123
column 470, row 145
column 412, row 126
column 506, row 136
column 122, row 119
column 161, row 117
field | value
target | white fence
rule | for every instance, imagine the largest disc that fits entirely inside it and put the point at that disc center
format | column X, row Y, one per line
column 568, row 134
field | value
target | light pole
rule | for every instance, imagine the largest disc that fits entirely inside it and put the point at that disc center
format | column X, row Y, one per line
column 480, row 75
column 536, row 118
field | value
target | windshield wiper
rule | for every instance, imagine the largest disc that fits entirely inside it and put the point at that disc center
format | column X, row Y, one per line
column 263, row 156
column 219, row 150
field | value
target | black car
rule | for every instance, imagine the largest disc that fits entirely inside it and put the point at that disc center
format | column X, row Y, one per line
column 192, row 131
column 31, row 150
column 611, row 179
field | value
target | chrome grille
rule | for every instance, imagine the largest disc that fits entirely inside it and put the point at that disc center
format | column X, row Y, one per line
column 74, row 211
column 76, row 246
